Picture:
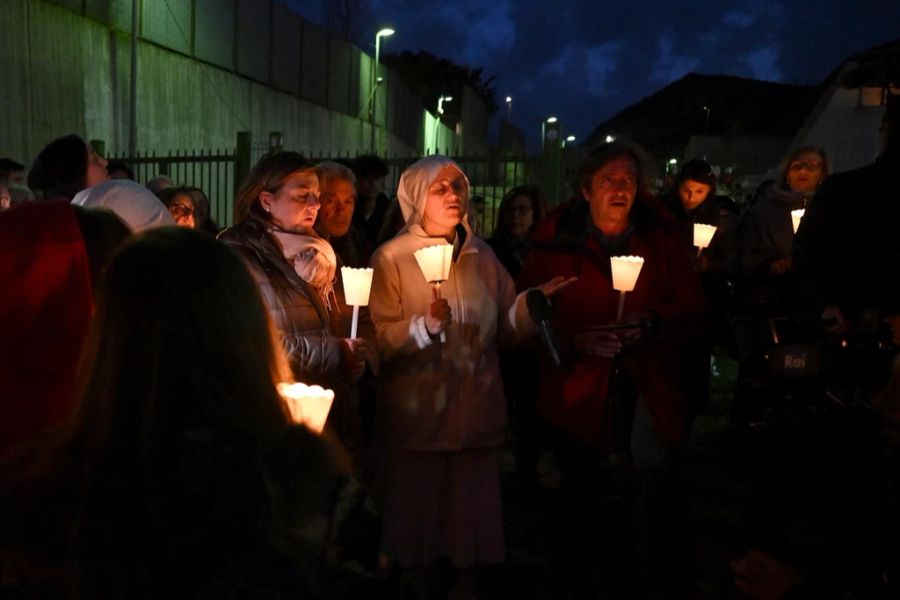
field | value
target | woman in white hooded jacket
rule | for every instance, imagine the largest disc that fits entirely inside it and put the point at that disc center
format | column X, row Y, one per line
column 442, row 414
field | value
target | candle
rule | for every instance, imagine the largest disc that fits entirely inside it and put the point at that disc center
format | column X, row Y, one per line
column 309, row 404
column 703, row 235
column 434, row 261
column 625, row 271
column 796, row 217
column 357, row 285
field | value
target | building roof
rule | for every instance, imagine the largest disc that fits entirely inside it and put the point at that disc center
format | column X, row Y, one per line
column 737, row 106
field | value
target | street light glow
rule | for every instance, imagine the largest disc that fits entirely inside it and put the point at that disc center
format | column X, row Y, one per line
column 571, row 138
column 552, row 119
column 384, row 32
column 509, row 99
column 441, row 100
column 610, row 139
column 673, row 161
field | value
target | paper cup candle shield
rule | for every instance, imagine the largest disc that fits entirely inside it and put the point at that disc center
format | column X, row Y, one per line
column 434, row 261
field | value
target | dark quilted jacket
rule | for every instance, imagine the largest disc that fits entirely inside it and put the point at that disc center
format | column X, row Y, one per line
column 310, row 332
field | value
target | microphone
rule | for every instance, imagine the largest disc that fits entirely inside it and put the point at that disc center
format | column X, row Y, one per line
column 539, row 309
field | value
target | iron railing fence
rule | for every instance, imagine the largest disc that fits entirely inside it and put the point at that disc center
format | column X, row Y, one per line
column 218, row 172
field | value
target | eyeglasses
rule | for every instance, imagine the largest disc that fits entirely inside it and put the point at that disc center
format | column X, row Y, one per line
column 180, row 211
column 811, row 165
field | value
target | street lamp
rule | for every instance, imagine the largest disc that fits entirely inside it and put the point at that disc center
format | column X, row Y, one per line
column 509, row 107
column 387, row 31
column 554, row 132
column 609, row 139
column 671, row 165
column 706, row 108
column 441, row 100
column 568, row 140
column 440, row 111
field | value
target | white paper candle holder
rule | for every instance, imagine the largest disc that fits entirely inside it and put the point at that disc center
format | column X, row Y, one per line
column 434, row 261
column 357, row 286
column 625, row 271
column 703, row 235
column 796, row 217
column 309, row 404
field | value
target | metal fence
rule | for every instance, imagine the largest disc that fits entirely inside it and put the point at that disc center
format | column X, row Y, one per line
column 219, row 172
column 490, row 177
column 213, row 171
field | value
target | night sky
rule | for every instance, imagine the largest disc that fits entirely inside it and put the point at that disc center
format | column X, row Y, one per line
column 583, row 61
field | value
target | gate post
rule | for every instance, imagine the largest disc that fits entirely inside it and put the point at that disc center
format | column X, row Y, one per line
column 242, row 152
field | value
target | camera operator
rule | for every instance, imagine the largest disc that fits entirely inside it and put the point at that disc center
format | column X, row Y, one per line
column 847, row 249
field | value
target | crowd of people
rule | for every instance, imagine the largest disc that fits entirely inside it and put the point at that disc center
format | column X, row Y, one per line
column 148, row 452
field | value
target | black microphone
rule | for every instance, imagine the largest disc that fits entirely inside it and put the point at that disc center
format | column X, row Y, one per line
column 539, row 309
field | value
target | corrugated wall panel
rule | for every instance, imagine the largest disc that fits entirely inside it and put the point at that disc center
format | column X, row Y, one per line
column 56, row 70
column 115, row 13
column 254, row 30
column 168, row 23
column 339, row 74
column 287, row 42
column 214, row 32
column 314, row 80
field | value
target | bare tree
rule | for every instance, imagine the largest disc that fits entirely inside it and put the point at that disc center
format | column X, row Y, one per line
column 347, row 18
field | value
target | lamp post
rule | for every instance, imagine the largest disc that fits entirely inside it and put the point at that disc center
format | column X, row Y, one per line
column 555, row 134
column 441, row 100
column 387, row 31
column 440, row 111
column 509, row 108
column 706, row 108
column 568, row 140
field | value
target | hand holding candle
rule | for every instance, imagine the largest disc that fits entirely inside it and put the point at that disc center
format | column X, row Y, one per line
column 434, row 261
column 625, row 271
column 308, row 404
column 703, row 235
column 796, row 217
column 357, row 285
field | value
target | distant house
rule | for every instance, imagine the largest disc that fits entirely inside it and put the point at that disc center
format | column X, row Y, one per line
column 731, row 121
column 846, row 117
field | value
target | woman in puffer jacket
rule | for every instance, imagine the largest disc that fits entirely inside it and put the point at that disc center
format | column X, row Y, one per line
column 275, row 210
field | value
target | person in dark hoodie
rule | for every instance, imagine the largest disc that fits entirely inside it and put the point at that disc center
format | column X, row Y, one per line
column 694, row 201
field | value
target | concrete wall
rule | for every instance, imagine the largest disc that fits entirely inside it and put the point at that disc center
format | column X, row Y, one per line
column 207, row 69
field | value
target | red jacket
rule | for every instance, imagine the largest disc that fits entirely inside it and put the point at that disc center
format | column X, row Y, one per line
column 574, row 397
column 45, row 308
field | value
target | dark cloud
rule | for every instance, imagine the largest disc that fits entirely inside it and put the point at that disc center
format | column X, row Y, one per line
column 585, row 60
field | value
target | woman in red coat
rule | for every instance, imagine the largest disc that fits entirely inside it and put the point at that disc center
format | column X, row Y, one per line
column 622, row 380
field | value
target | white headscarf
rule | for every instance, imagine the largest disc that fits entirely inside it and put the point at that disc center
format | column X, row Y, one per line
column 413, row 187
column 132, row 202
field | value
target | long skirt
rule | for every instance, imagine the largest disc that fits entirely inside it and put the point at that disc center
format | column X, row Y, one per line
column 438, row 504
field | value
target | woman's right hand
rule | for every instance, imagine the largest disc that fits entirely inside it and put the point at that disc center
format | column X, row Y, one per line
column 353, row 357
column 438, row 317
